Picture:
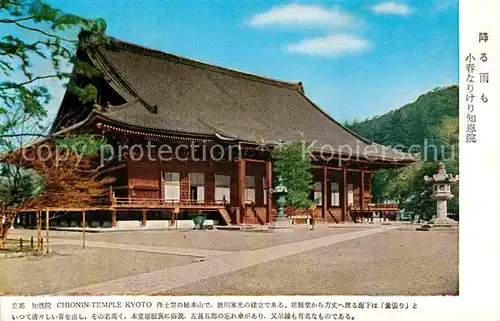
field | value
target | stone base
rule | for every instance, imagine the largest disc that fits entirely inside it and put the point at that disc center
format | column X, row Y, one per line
column 281, row 225
column 443, row 222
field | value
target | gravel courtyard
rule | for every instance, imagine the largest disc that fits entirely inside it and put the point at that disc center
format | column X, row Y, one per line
column 221, row 240
column 70, row 266
column 397, row 262
column 389, row 261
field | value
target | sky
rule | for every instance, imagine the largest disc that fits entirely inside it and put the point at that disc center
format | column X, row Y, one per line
column 356, row 59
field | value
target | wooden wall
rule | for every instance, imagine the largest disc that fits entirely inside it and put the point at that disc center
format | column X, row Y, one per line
column 145, row 178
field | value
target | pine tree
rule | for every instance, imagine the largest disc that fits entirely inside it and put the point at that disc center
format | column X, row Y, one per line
column 292, row 163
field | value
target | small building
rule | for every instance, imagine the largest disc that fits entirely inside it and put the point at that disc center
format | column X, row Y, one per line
column 210, row 131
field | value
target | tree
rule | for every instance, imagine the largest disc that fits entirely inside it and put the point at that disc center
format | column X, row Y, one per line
column 406, row 185
column 52, row 175
column 448, row 133
column 23, row 94
column 41, row 46
column 292, row 163
column 430, row 123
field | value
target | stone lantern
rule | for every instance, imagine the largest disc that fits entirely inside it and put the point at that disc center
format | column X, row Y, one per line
column 281, row 221
column 280, row 192
column 441, row 191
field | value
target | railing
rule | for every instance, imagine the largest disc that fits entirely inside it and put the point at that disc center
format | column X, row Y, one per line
column 164, row 202
column 382, row 207
column 356, row 213
column 375, row 207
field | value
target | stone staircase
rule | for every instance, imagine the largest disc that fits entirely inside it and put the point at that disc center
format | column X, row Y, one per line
column 225, row 215
column 335, row 216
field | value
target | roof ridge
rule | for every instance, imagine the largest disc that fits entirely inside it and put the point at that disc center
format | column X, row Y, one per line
column 196, row 63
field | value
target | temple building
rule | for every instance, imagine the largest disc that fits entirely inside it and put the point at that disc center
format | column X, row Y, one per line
column 187, row 136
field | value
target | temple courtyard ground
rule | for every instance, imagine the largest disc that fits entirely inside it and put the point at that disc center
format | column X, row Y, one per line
column 339, row 260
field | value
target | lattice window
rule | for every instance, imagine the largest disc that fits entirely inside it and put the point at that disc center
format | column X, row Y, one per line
column 222, row 180
column 264, row 189
column 197, row 179
column 172, row 178
column 318, row 193
column 350, row 194
column 222, row 187
column 250, row 188
column 335, row 193
column 172, row 187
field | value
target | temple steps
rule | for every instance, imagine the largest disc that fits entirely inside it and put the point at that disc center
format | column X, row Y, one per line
column 225, row 215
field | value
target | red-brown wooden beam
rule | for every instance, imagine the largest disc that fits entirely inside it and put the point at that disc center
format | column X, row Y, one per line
column 143, row 217
column 112, row 169
column 344, row 196
column 162, row 184
column 269, row 183
column 254, row 160
column 341, row 169
column 324, row 207
column 113, row 218
column 241, row 190
column 362, row 205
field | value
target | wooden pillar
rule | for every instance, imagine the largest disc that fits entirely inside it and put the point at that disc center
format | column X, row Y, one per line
column 38, row 230
column 324, row 206
column 113, row 217
column 362, row 194
column 143, row 217
column 176, row 212
column 83, row 229
column 185, row 192
column 162, row 185
column 344, row 194
column 269, row 185
column 241, row 190
column 370, row 180
column 209, row 186
column 47, row 228
column 110, row 194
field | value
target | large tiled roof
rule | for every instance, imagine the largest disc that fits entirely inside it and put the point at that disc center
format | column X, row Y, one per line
column 169, row 93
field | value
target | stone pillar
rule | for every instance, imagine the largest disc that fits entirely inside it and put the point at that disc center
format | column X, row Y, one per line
column 441, row 209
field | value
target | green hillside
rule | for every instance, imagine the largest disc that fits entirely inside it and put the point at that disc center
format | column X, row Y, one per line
column 412, row 123
column 429, row 126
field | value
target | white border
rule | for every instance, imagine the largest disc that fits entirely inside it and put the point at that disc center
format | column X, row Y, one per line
column 479, row 181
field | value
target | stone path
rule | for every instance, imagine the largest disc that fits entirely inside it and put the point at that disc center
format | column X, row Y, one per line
column 162, row 281
column 143, row 248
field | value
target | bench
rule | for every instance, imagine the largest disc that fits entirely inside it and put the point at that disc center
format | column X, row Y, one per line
column 306, row 217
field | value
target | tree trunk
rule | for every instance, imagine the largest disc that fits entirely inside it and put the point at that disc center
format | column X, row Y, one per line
column 3, row 234
column 5, row 226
